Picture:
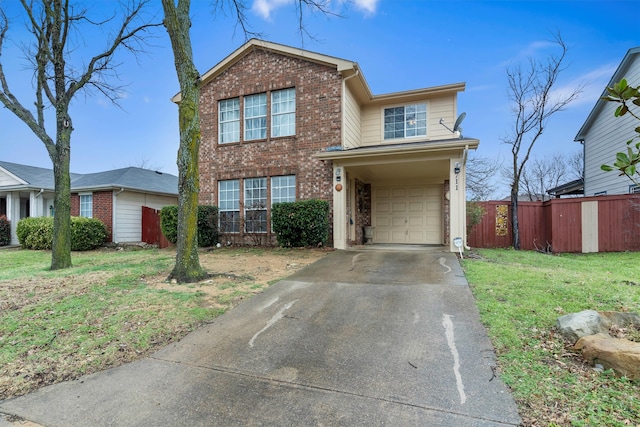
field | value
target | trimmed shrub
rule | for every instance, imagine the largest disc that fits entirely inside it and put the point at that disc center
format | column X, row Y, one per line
column 37, row 233
column 302, row 223
column 87, row 233
column 208, row 234
column 169, row 223
column 5, row 231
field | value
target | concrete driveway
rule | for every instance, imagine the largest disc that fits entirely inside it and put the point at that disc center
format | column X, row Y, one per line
column 358, row 338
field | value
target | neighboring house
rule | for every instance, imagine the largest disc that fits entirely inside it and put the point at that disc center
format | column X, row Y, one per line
column 603, row 135
column 283, row 124
column 115, row 197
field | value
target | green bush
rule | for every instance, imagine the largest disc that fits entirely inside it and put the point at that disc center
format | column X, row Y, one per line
column 208, row 234
column 5, row 231
column 37, row 233
column 302, row 223
column 87, row 233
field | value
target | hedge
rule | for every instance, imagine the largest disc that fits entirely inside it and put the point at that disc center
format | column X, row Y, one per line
column 302, row 223
column 5, row 231
column 208, row 234
column 37, row 233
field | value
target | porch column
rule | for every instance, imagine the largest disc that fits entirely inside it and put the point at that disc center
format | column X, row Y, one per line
column 457, row 203
column 13, row 213
column 339, row 207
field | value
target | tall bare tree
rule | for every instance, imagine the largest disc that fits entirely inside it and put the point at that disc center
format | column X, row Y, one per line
column 533, row 102
column 177, row 22
column 58, row 78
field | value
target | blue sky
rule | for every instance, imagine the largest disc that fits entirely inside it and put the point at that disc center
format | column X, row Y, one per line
column 399, row 45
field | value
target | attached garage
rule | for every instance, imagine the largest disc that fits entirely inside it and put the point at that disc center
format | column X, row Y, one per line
column 409, row 214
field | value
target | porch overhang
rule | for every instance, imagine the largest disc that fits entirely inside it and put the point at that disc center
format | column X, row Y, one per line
column 421, row 160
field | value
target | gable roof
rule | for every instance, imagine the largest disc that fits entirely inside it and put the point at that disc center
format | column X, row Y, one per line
column 620, row 72
column 346, row 67
column 131, row 178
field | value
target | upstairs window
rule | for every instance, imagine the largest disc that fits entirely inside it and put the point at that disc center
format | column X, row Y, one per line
column 283, row 112
column 255, row 117
column 229, row 120
column 405, row 122
column 634, row 189
column 86, row 205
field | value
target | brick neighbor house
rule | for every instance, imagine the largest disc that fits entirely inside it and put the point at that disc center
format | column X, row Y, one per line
column 115, row 197
column 284, row 124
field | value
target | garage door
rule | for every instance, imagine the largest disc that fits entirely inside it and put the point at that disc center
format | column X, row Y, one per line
column 407, row 214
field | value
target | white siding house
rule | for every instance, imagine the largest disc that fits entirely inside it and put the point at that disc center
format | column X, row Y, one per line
column 603, row 135
column 115, row 197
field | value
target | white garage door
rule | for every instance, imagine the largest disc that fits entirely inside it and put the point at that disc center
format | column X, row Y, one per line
column 407, row 214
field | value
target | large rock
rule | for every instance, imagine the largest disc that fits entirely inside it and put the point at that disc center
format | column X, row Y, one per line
column 577, row 325
column 621, row 355
column 623, row 320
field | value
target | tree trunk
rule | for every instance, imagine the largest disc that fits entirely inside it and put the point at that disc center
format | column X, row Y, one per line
column 61, row 245
column 515, row 232
column 177, row 23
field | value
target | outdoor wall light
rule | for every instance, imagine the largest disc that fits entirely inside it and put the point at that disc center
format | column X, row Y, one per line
column 456, row 168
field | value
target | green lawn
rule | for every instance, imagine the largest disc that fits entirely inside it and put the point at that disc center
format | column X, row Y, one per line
column 102, row 312
column 520, row 295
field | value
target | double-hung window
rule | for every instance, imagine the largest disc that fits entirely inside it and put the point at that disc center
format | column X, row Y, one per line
column 229, row 120
column 405, row 122
column 229, row 206
column 283, row 112
column 255, row 205
column 86, row 205
column 283, row 189
column 255, row 117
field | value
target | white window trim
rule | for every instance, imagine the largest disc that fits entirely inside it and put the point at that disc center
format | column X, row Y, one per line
column 426, row 134
column 80, row 195
column 247, row 117
column 280, row 114
column 220, row 122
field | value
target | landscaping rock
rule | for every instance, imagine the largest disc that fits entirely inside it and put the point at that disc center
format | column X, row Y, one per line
column 577, row 325
column 621, row 355
column 623, row 320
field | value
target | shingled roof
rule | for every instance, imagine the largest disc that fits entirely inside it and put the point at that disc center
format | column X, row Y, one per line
column 130, row 178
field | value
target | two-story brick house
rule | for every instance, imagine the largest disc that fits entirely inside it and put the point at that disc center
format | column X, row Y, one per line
column 283, row 124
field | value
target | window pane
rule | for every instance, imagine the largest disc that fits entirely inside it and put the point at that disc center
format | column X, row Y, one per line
column 229, row 120
column 255, row 116
column 405, row 122
column 283, row 112
column 229, row 206
column 86, row 205
column 255, row 205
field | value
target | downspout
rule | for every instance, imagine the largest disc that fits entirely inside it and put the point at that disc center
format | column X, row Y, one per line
column 39, row 193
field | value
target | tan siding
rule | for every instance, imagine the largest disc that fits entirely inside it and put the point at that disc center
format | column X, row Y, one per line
column 437, row 108
column 607, row 136
column 352, row 121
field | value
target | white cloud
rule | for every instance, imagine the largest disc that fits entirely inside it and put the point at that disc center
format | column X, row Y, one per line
column 369, row 6
column 593, row 83
column 265, row 7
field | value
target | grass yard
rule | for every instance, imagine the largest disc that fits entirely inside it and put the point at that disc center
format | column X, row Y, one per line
column 113, row 307
column 520, row 295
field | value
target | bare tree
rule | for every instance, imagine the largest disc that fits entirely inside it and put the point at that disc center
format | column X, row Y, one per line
column 481, row 172
column 177, row 22
column 544, row 173
column 533, row 102
column 58, row 78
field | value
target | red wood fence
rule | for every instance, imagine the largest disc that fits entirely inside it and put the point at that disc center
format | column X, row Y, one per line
column 585, row 224
column 151, row 232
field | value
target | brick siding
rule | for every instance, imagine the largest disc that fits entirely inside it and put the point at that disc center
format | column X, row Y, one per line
column 318, row 117
column 102, row 209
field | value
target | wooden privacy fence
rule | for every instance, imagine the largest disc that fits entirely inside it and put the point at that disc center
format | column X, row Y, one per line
column 151, row 231
column 585, row 224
